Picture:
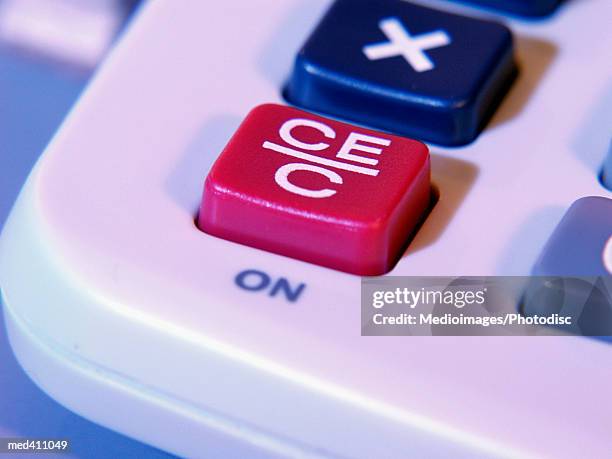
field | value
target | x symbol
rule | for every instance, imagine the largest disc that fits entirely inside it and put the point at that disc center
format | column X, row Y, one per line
column 401, row 43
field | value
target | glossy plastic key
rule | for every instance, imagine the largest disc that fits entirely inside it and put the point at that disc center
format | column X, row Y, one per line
column 404, row 68
column 317, row 190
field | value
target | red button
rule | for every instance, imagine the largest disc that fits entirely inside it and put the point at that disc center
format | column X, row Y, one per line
column 318, row 190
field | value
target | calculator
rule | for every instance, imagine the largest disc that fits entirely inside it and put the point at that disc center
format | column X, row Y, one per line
column 184, row 262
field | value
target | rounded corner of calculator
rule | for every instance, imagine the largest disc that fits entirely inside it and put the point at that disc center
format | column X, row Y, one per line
column 39, row 361
column 49, row 368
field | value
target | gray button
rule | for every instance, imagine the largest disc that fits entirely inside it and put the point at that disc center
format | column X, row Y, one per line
column 571, row 277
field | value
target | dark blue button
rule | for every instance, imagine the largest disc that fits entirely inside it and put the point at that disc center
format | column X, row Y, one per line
column 529, row 8
column 404, row 68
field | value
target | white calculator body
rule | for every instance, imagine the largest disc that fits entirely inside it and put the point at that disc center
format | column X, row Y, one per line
column 121, row 309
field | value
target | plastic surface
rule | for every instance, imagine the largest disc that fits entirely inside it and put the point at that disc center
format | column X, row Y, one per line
column 317, row 190
column 126, row 281
column 397, row 66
